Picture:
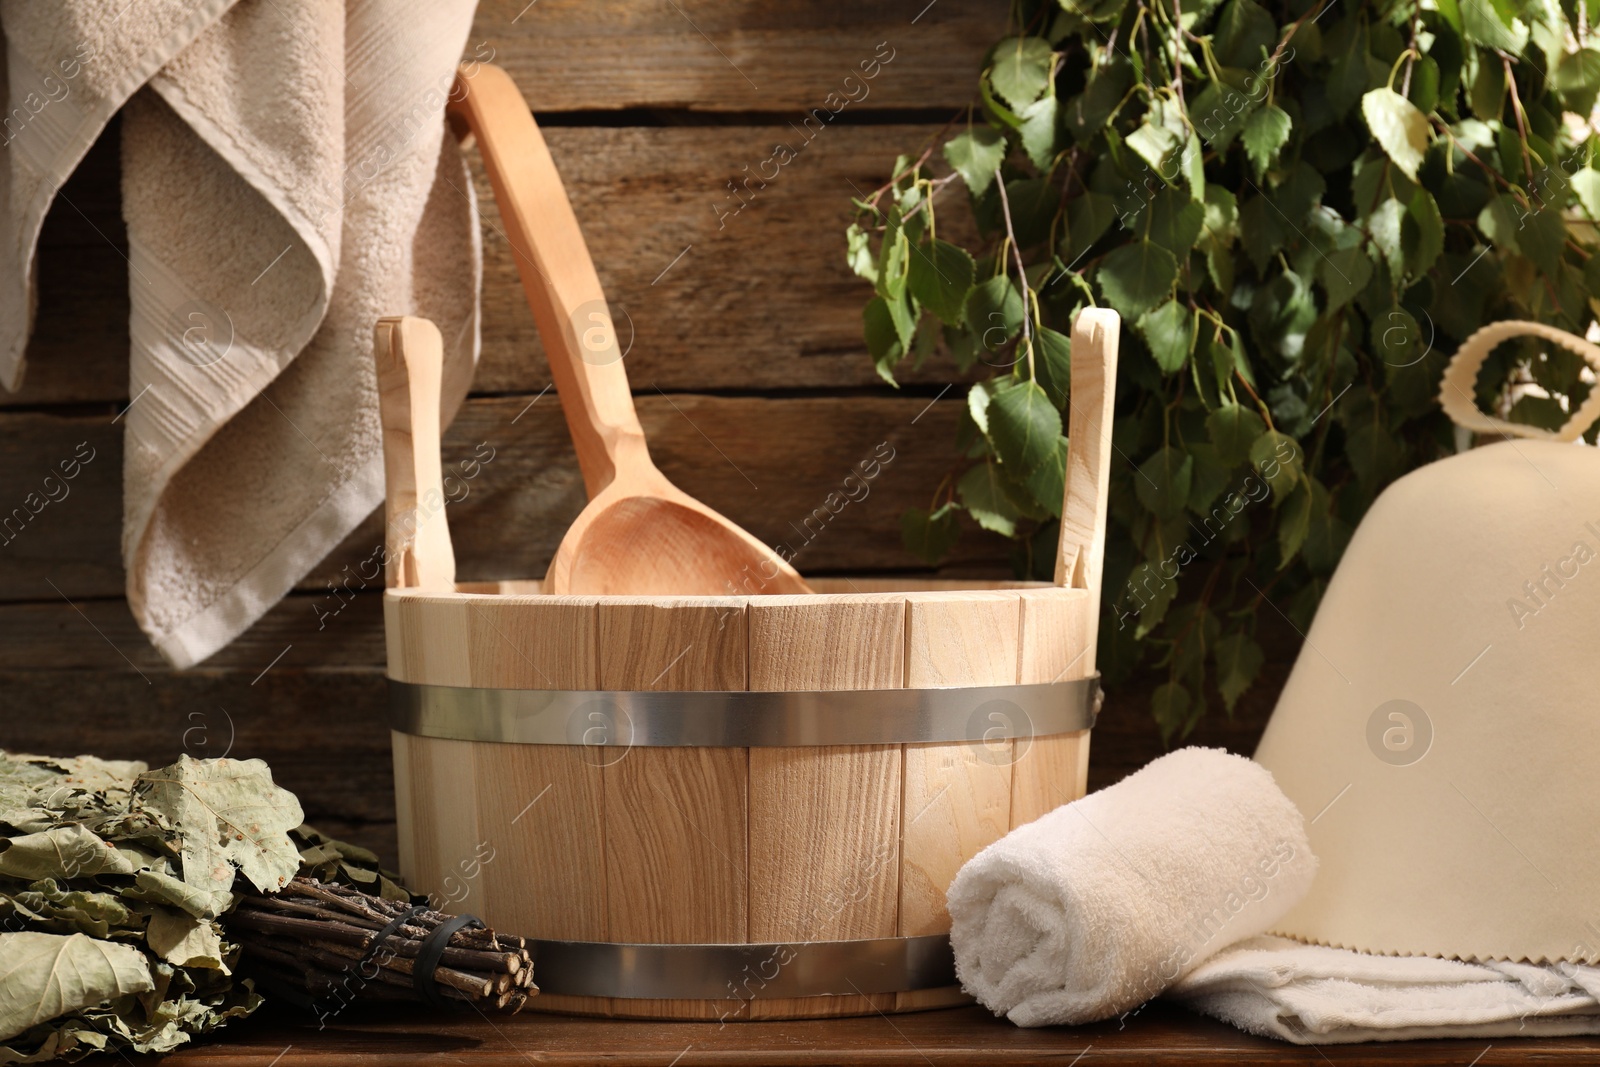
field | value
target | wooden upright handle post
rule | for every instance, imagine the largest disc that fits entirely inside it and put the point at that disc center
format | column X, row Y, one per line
column 558, row 276
column 1079, row 557
column 410, row 357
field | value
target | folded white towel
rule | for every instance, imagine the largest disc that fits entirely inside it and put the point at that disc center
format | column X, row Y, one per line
column 1105, row 902
column 1313, row 995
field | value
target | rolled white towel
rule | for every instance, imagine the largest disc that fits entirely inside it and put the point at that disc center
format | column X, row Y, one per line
column 1103, row 903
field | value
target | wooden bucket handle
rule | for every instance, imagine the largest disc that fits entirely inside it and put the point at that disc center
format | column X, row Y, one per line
column 1458, row 385
column 1080, row 557
column 558, row 276
column 410, row 358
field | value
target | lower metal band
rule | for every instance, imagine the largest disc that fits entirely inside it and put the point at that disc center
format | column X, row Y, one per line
column 991, row 715
column 739, row 973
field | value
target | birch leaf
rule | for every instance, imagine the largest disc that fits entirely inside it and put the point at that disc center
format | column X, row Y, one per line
column 1266, row 131
column 232, row 816
column 18, row 781
column 35, row 790
column 1021, row 70
column 976, row 154
column 64, row 852
column 155, row 887
column 184, row 941
column 986, row 500
column 43, row 976
column 1023, row 425
column 1398, row 127
column 51, row 908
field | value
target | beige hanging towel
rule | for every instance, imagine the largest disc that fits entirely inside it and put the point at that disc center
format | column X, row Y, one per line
column 287, row 179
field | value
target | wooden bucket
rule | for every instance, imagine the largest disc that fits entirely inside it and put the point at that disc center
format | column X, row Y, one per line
column 735, row 807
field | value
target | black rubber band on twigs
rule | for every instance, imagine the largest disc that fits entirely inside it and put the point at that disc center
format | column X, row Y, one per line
column 431, row 952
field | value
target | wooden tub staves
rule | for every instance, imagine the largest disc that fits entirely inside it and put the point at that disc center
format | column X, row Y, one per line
column 711, row 807
column 731, row 807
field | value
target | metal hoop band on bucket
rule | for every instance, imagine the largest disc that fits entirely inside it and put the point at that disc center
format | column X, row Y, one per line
column 741, row 973
column 740, row 719
column 617, row 720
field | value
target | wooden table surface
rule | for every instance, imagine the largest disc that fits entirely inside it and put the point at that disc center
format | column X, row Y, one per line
column 1158, row 1034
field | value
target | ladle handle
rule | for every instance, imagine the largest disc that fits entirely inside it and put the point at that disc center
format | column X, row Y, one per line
column 558, row 276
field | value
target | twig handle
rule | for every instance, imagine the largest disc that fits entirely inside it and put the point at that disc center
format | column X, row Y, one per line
column 1459, row 384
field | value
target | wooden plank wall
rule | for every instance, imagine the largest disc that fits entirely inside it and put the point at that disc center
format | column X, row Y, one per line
column 746, row 356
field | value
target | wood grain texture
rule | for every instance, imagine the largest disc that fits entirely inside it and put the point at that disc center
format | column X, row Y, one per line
column 836, row 641
column 735, row 55
column 917, row 584
column 405, row 801
column 1080, row 556
column 834, row 849
column 529, row 803
column 775, row 466
column 957, row 796
column 825, row 822
column 676, row 826
column 324, row 732
column 444, row 833
column 1060, row 628
column 410, row 363
column 1051, row 771
column 101, row 635
column 543, row 812
column 431, row 636
column 63, row 541
column 830, row 843
column 760, row 299
column 770, row 281
column 540, row 808
column 508, row 649
column 825, row 584
column 1159, row 1033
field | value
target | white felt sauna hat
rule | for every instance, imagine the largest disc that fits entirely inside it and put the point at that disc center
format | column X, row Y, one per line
column 1440, row 730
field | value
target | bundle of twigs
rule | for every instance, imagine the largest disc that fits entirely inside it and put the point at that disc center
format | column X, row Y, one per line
column 328, row 942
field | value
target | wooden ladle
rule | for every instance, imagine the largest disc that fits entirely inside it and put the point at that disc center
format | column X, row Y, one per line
column 639, row 533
